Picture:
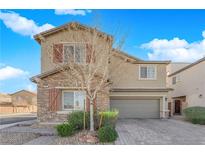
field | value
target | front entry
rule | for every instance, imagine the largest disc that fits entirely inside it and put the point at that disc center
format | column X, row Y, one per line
column 177, row 107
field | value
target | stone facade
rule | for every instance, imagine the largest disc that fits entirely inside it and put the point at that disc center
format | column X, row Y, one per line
column 56, row 81
column 44, row 114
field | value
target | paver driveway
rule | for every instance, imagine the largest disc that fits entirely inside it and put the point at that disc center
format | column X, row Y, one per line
column 156, row 131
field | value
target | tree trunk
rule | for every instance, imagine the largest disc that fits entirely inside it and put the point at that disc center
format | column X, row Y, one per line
column 91, row 115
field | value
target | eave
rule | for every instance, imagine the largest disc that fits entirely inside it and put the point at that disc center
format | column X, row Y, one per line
column 141, row 89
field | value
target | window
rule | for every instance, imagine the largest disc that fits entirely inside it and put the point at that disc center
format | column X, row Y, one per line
column 73, row 100
column 174, row 80
column 74, row 53
column 68, row 53
column 148, row 72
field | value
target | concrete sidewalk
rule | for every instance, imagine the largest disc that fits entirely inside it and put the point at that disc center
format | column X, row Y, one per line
column 17, row 114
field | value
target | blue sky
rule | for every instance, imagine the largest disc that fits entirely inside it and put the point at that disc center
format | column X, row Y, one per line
column 177, row 35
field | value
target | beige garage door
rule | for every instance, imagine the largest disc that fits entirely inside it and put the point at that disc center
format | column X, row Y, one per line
column 137, row 108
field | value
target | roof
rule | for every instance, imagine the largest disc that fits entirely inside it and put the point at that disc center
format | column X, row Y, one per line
column 5, row 99
column 32, row 93
column 52, row 31
column 188, row 66
column 136, row 60
column 45, row 74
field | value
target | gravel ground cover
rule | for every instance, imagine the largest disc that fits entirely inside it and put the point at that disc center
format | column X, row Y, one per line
column 8, row 138
column 38, row 135
column 56, row 140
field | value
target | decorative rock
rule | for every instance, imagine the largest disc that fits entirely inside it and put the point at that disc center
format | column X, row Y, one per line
column 88, row 138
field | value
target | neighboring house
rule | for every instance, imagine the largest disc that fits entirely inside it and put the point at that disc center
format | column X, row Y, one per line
column 24, row 101
column 18, row 102
column 140, row 93
column 6, row 105
column 188, row 83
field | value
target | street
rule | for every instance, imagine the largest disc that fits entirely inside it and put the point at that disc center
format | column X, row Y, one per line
column 13, row 118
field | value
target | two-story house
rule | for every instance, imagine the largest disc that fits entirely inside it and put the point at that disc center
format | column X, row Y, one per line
column 188, row 84
column 139, row 91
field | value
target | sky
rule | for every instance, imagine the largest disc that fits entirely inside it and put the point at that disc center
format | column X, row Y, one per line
column 177, row 35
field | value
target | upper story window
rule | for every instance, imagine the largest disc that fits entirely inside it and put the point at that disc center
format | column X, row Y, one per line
column 69, row 52
column 175, row 79
column 80, row 53
column 147, row 72
column 74, row 53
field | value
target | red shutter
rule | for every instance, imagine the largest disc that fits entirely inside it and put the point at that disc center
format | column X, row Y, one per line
column 58, row 53
column 90, row 54
column 54, row 100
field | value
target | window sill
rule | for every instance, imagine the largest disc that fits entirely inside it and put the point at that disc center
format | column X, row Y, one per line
column 64, row 112
column 147, row 79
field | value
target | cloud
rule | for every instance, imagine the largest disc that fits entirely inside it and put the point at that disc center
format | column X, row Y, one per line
column 8, row 72
column 72, row 12
column 176, row 49
column 22, row 25
column 203, row 33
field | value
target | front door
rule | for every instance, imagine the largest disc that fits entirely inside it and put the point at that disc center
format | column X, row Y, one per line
column 177, row 107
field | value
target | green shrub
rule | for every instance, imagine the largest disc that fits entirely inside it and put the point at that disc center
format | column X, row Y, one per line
column 76, row 119
column 195, row 114
column 65, row 129
column 107, row 134
column 108, row 118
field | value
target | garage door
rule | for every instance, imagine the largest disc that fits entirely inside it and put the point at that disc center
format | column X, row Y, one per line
column 137, row 108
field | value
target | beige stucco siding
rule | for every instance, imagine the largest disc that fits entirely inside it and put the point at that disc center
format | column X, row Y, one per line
column 69, row 36
column 191, row 84
column 127, row 75
column 173, row 67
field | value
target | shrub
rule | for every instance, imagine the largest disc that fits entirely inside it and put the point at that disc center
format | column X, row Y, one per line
column 76, row 119
column 195, row 114
column 65, row 129
column 107, row 134
column 108, row 118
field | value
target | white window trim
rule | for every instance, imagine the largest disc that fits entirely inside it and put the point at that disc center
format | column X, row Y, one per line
column 62, row 102
column 155, row 75
column 74, row 46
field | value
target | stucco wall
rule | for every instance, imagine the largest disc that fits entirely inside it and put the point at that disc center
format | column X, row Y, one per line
column 71, row 36
column 191, row 84
column 173, row 67
column 127, row 75
column 24, row 97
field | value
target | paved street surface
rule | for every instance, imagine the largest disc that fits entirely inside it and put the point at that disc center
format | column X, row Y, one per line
column 159, row 132
column 14, row 118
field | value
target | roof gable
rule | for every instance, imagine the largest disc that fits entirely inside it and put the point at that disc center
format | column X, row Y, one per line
column 188, row 66
column 24, row 91
column 71, row 25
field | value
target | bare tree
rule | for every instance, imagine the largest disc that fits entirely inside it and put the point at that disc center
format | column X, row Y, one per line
column 86, row 62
